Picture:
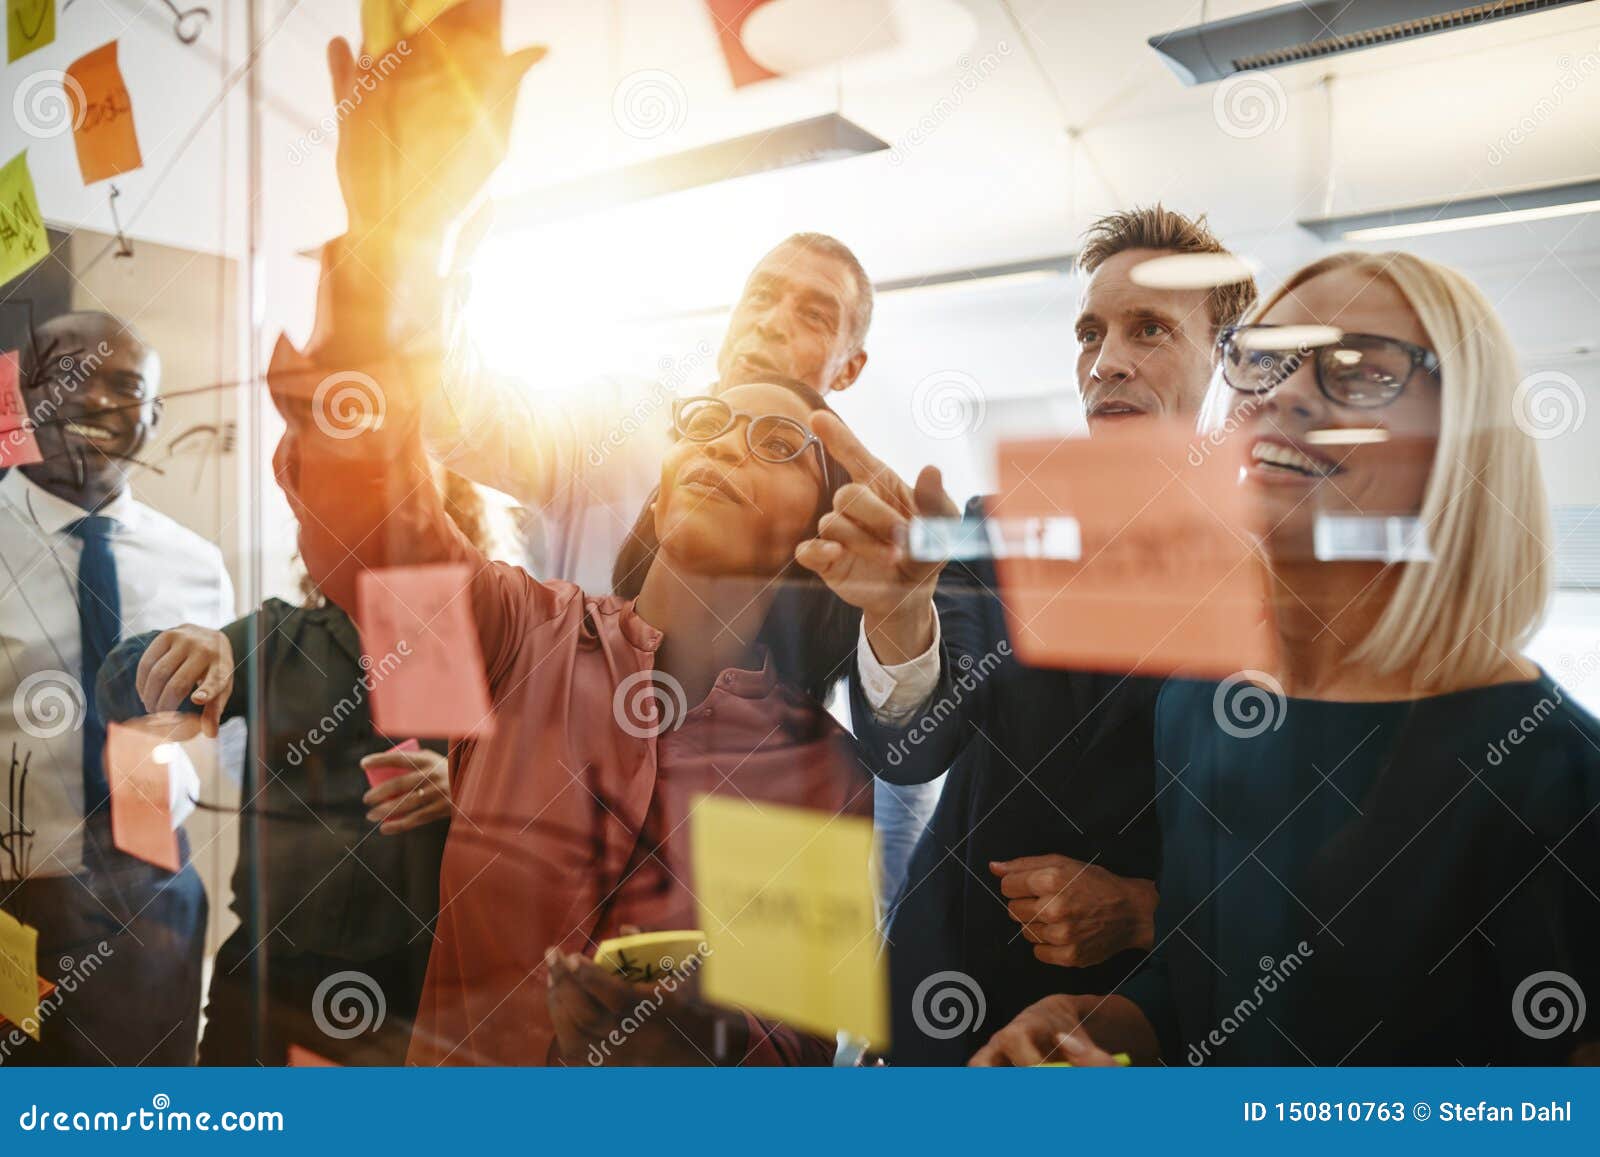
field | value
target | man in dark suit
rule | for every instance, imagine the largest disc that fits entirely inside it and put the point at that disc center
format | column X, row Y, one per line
column 1036, row 873
column 82, row 564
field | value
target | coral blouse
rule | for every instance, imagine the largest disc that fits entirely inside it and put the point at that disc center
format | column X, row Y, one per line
column 567, row 824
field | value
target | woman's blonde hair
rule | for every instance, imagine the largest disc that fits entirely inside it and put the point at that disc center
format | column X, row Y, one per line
column 1456, row 621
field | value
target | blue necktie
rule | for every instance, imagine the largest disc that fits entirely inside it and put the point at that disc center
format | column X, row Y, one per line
column 99, row 629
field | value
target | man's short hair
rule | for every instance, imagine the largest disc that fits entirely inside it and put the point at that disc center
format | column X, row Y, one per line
column 1157, row 227
column 861, row 318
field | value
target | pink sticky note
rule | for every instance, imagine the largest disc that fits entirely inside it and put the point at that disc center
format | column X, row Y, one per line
column 141, row 809
column 425, row 666
column 17, row 445
column 13, row 411
column 379, row 775
column 1166, row 578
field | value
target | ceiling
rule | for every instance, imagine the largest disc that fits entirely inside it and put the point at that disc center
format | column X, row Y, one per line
column 1057, row 110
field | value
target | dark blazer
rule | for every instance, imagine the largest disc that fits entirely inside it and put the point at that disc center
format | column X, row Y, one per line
column 1040, row 761
column 1411, row 882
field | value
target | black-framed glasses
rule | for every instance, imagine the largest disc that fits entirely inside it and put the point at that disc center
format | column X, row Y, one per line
column 1365, row 371
column 772, row 438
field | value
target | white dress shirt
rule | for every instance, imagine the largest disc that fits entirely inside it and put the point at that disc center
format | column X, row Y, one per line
column 900, row 811
column 898, row 691
column 166, row 575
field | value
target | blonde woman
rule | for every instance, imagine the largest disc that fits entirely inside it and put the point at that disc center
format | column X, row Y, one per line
column 1387, row 849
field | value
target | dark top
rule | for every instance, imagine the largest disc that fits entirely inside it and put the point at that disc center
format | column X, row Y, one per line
column 1411, row 883
column 334, row 885
column 1040, row 761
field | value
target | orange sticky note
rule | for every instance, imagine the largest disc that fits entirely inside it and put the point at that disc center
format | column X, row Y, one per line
column 301, row 1057
column 102, row 116
column 17, row 445
column 32, row 1024
column 380, row 775
column 424, row 664
column 1166, row 578
column 141, row 784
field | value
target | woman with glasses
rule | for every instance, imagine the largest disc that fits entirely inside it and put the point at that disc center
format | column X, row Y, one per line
column 572, row 815
column 1386, row 850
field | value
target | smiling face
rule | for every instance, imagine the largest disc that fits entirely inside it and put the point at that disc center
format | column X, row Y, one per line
column 794, row 320
column 1309, row 454
column 93, row 398
column 722, row 510
column 1142, row 352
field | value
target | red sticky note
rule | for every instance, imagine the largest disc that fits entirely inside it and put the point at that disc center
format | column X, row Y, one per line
column 141, row 809
column 729, row 17
column 1166, row 580
column 378, row 775
column 13, row 410
column 17, row 445
column 18, row 448
column 301, row 1057
column 102, row 116
column 424, row 664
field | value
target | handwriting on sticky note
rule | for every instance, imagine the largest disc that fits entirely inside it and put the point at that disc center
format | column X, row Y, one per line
column 19, row 973
column 23, row 241
column 102, row 116
column 785, row 898
column 646, row 956
column 1167, row 579
column 13, row 410
column 30, row 25
column 17, row 444
column 381, row 775
column 138, row 772
column 424, row 664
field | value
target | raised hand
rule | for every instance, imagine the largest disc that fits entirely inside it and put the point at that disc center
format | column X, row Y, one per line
column 859, row 549
column 420, row 131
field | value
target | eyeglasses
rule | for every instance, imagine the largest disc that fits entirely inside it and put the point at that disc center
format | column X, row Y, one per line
column 1362, row 370
column 771, row 437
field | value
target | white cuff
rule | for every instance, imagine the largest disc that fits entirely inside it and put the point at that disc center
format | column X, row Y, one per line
column 897, row 693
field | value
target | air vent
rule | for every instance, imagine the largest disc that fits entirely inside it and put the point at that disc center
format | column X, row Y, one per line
column 1577, row 547
column 1295, row 33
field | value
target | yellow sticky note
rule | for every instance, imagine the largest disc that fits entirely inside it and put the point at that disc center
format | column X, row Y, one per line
column 19, row 974
column 23, row 243
column 386, row 22
column 1122, row 1059
column 30, row 25
column 785, row 897
column 644, row 956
